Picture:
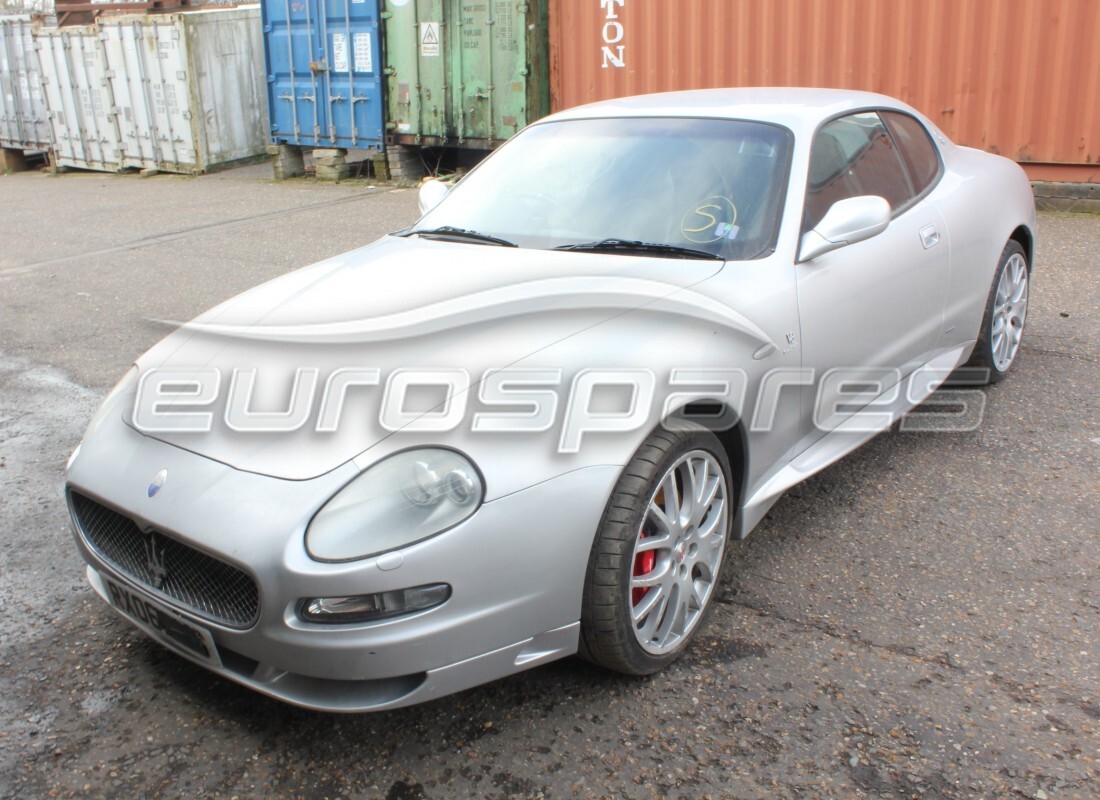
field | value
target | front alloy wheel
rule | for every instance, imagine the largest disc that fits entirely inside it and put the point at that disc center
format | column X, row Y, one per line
column 658, row 554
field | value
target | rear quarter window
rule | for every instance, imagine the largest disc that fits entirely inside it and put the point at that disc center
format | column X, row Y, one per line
column 917, row 150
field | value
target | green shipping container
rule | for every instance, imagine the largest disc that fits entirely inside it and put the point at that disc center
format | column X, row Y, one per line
column 464, row 73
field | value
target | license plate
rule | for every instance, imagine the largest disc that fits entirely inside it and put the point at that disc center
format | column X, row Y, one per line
column 162, row 624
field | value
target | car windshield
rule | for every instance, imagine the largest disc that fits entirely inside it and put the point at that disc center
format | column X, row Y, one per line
column 661, row 186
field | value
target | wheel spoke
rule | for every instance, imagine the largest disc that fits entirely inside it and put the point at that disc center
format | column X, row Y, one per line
column 716, row 520
column 712, row 492
column 655, row 618
column 700, row 478
column 1018, row 278
column 661, row 518
column 647, row 604
column 653, row 578
column 690, row 500
column 672, row 497
column 660, row 542
column 672, row 614
column 707, row 494
column 698, row 596
column 1015, row 334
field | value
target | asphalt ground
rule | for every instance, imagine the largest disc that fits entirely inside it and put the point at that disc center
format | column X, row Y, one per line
column 920, row 620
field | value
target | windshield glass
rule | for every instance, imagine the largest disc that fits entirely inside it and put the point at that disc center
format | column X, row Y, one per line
column 704, row 184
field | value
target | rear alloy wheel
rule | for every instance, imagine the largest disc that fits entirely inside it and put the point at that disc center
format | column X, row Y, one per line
column 658, row 554
column 1005, row 314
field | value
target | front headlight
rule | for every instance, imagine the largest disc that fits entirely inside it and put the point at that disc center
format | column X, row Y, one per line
column 399, row 501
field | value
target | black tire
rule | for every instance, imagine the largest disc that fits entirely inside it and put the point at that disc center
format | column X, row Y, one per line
column 988, row 363
column 608, row 634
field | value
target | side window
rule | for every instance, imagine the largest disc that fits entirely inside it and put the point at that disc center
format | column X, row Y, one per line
column 917, row 151
column 854, row 156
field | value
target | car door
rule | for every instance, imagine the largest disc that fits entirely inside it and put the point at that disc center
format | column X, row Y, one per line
column 872, row 310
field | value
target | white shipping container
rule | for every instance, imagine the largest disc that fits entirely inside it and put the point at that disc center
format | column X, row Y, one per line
column 23, row 123
column 178, row 92
column 84, row 128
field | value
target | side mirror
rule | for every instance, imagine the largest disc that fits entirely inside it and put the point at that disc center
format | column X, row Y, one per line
column 431, row 194
column 847, row 222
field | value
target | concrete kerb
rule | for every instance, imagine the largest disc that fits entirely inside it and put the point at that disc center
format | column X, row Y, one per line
column 1073, row 197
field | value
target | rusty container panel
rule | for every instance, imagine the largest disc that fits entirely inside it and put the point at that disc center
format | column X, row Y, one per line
column 1015, row 77
column 464, row 73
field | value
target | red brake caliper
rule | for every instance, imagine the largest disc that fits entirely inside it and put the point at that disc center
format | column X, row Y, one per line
column 643, row 565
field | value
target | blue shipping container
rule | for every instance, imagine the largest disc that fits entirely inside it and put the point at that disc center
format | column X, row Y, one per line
column 324, row 72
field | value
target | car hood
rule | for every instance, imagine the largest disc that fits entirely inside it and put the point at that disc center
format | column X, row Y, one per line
column 397, row 305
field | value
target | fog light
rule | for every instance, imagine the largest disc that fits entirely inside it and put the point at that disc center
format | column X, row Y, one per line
column 371, row 607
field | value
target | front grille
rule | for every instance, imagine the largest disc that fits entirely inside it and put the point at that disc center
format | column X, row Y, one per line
column 204, row 584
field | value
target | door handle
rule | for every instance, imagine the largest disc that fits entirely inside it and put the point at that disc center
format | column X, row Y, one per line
column 929, row 236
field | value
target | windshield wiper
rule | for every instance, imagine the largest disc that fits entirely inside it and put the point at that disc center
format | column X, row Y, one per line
column 631, row 246
column 451, row 232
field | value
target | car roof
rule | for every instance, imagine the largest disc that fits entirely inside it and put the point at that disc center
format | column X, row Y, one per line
column 795, row 108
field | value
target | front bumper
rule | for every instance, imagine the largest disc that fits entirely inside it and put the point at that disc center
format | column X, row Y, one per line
column 516, row 568
column 372, row 694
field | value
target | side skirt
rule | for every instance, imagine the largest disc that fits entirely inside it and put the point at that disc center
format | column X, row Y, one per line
column 846, row 437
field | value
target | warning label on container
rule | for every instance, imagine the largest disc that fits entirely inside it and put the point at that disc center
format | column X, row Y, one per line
column 364, row 58
column 429, row 39
column 339, row 52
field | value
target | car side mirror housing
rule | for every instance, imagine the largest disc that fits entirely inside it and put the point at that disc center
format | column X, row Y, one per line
column 431, row 194
column 847, row 222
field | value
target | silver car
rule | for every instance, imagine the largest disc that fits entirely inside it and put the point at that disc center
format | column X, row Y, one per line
column 527, row 426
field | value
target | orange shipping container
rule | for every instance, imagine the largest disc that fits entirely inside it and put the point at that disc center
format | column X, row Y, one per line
column 1016, row 77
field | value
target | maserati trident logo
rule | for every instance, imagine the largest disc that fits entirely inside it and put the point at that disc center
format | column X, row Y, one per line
column 154, row 560
column 158, row 481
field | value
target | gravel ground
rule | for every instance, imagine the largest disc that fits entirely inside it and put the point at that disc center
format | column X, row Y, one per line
column 920, row 620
